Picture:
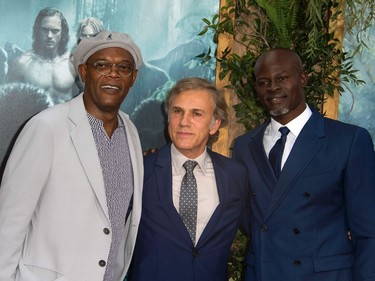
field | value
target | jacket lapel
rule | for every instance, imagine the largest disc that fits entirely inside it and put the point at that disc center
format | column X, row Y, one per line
column 306, row 146
column 267, row 181
column 164, row 185
column 85, row 146
column 261, row 160
column 221, row 184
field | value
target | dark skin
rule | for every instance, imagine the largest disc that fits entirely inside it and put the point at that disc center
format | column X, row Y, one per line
column 280, row 82
column 103, row 94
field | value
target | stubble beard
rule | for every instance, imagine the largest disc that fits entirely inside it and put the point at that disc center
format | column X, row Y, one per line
column 279, row 111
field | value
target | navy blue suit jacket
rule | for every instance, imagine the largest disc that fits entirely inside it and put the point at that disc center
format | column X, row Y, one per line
column 164, row 250
column 327, row 186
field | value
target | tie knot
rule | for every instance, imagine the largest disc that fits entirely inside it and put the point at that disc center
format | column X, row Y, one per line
column 284, row 131
column 189, row 165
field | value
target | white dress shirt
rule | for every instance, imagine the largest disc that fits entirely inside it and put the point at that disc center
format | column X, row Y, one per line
column 272, row 134
column 208, row 197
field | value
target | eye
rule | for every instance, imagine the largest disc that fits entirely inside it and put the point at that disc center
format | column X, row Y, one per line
column 197, row 113
column 124, row 67
column 102, row 65
column 176, row 110
column 281, row 78
column 262, row 83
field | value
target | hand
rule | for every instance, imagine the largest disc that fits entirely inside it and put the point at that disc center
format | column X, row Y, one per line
column 150, row 150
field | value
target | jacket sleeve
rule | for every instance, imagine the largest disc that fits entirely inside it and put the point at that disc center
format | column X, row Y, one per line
column 23, row 181
column 245, row 223
column 359, row 185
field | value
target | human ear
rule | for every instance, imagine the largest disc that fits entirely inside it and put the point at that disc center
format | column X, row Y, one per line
column 82, row 72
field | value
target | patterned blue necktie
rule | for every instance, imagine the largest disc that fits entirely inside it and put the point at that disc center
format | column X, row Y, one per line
column 189, row 199
column 276, row 153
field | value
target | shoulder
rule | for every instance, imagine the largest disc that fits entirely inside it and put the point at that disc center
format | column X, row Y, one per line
column 54, row 110
column 244, row 138
column 230, row 171
column 332, row 124
column 18, row 68
column 43, row 128
column 337, row 133
column 226, row 164
column 26, row 57
column 63, row 57
column 58, row 116
column 61, row 62
column 162, row 155
column 217, row 157
column 344, row 129
column 51, row 119
column 353, row 135
column 160, row 158
column 24, row 60
column 150, row 158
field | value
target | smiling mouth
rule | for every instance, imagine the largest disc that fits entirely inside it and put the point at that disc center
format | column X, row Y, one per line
column 110, row 87
column 276, row 99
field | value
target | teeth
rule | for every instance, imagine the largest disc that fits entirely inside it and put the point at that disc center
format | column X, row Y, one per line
column 110, row 87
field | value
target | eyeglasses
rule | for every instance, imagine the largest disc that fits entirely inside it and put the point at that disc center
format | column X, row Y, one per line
column 105, row 68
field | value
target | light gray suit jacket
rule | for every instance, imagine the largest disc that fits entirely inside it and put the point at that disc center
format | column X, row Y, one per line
column 52, row 201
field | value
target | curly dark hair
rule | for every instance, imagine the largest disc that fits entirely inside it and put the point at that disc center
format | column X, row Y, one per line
column 49, row 12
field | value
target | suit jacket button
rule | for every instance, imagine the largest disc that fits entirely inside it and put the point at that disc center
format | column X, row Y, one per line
column 297, row 262
column 102, row 263
column 264, row 228
column 296, row 231
column 306, row 194
column 195, row 253
column 106, row 231
column 253, row 193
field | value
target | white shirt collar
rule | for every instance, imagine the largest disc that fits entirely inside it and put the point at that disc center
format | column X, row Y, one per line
column 178, row 159
column 295, row 126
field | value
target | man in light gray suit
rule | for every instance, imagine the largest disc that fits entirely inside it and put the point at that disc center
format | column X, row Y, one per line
column 70, row 199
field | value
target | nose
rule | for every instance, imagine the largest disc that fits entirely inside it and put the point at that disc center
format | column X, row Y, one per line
column 275, row 85
column 114, row 71
column 185, row 119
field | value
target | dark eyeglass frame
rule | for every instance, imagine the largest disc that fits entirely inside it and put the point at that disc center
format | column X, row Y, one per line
column 104, row 67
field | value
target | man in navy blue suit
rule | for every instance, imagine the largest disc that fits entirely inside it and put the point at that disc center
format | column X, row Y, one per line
column 324, row 189
column 168, row 248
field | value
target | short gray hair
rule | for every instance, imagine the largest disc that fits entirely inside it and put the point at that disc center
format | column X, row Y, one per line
column 196, row 83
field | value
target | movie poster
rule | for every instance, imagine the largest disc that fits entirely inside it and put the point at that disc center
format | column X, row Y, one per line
column 357, row 104
column 165, row 30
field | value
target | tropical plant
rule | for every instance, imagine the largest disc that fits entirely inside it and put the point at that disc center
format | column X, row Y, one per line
column 308, row 27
